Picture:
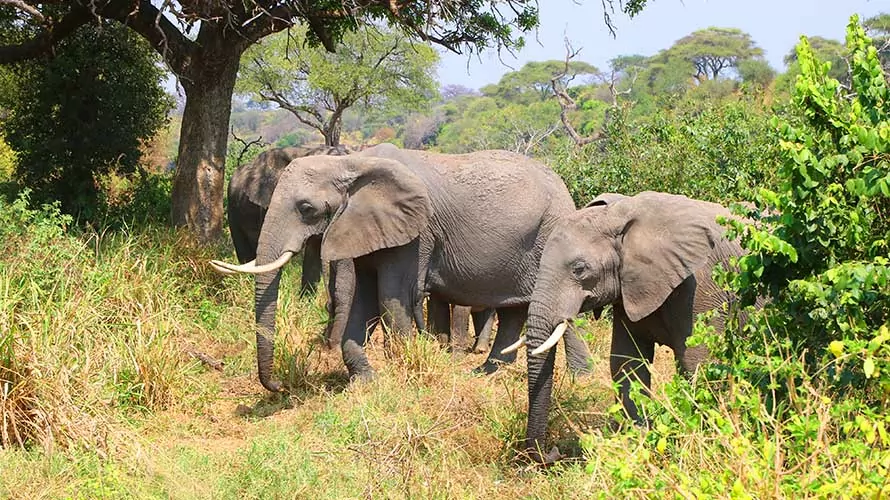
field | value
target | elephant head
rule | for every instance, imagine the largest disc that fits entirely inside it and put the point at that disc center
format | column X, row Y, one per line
column 628, row 251
column 358, row 204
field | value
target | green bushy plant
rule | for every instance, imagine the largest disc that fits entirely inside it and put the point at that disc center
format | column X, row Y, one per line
column 720, row 152
column 794, row 403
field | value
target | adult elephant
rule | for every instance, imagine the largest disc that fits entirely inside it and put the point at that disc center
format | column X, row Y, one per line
column 249, row 194
column 467, row 228
column 650, row 256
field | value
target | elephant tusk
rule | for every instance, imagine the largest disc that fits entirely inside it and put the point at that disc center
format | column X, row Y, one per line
column 252, row 268
column 228, row 272
column 515, row 346
column 551, row 341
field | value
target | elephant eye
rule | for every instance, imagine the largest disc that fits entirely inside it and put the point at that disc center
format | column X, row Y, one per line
column 306, row 209
column 580, row 269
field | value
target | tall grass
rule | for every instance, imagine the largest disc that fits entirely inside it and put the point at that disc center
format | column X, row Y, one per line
column 103, row 394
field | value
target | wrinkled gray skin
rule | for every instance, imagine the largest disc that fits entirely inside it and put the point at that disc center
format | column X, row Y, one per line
column 650, row 256
column 250, row 192
column 469, row 229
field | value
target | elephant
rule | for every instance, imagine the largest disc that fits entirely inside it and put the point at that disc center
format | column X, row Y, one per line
column 467, row 229
column 650, row 256
column 249, row 193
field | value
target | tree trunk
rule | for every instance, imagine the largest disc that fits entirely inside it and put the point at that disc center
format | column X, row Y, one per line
column 197, row 197
column 332, row 131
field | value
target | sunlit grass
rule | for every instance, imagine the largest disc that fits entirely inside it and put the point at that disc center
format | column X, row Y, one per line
column 104, row 394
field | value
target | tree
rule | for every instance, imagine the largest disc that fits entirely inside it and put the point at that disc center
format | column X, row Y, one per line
column 827, row 50
column 379, row 68
column 757, row 72
column 85, row 112
column 202, row 43
column 713, row 50
column 878, row 28
column 531, row 83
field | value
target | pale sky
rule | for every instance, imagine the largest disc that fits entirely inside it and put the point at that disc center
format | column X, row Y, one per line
column 775, row 25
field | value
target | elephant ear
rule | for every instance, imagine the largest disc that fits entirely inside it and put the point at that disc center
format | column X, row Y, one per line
column 386, row 206
column 666, row 238
column 605, row 199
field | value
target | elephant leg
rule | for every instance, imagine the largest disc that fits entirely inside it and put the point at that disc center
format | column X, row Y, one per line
column 438, row 319
column 460, row 323
column 341, row 289
column 483, row 322
column 397, row 290
column 578, row 358
column 510, row 324
column 364, row 315
column 630, row 360
column 312, row 266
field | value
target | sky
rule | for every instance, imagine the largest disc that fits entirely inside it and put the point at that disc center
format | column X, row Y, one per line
column 775, row 25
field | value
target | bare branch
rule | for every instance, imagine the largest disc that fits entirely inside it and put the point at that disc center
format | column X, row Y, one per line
column 566, row 103
column 246, row 145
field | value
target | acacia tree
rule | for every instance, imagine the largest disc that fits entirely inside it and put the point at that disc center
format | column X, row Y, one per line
column 379, row 68
column 202, row 43
column 713, row 50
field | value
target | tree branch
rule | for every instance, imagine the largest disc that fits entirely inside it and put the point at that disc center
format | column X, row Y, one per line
column 30, row 9
column 246, row 145
column 46, row 39
column 566, row 103
column 150, row 22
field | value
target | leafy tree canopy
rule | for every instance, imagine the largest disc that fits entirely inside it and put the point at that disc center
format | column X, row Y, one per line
column 84, row 112
column 532, row 82
column 380, row 68
column 714, row 50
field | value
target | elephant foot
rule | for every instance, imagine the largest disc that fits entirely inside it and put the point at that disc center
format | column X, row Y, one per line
column 361, row 377
column 481, row 348
column 547, row 459
column 488, row 367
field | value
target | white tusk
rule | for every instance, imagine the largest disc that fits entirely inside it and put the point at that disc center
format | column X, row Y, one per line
column 515, row 346
column 251, row 267
column 221, row 270
column 557, row 334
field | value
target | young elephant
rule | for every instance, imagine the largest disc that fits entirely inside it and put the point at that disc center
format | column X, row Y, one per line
column 650, row 256
column 468, row 229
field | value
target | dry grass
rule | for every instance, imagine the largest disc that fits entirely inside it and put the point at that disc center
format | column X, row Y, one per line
column 103, row 396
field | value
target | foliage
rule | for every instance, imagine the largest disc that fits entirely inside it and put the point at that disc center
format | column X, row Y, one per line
column 372, row 68
column 878, row 28
column 805, row 378
column 85, row 113
column 7, row 160
column 717, row 151
column 531, row 83
column 713, row 50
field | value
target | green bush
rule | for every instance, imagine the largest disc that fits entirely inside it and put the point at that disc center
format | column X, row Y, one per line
column 720, row 150
column 84, row 112
column 794, row 403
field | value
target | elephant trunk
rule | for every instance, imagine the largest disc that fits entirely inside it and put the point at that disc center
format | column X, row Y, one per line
column 541, row 322
column 271, row 248
column 266, row 303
